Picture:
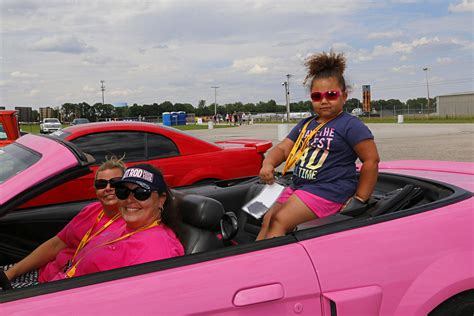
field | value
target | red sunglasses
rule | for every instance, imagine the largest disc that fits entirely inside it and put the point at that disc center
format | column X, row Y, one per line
column 329, row 95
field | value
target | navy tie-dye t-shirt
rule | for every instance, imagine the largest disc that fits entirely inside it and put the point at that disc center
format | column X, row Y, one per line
column 327, row 166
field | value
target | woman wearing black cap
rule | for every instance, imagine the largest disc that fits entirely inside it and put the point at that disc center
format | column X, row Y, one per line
column 148, row 234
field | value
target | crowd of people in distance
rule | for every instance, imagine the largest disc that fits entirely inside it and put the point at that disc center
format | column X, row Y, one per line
column 235, row 118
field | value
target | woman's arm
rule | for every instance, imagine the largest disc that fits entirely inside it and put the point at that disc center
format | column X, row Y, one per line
column 369, row 156
column 46, row 252
column 274, row 158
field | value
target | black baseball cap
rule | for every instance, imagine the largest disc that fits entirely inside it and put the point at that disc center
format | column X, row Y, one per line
column 146, row 176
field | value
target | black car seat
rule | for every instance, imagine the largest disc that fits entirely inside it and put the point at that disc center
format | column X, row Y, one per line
column 396, row 200
column 200, row 224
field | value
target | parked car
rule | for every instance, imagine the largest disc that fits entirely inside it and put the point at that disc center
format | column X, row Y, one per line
column 78, row 121
column 410, row 253
column 183, row 159
column 9, row 128
column 49, row 125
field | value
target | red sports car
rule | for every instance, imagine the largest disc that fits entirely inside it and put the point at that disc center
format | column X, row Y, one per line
column 183, row 159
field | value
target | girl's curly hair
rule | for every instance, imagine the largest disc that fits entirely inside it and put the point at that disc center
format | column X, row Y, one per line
column 325, row 65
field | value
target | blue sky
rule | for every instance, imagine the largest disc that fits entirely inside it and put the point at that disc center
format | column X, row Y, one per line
column 58, row 51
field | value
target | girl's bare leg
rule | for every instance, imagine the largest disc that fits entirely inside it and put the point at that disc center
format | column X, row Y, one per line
column 292, row 213
column 266, row 220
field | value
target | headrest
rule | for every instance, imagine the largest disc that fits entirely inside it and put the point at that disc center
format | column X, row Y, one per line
column 200, row 211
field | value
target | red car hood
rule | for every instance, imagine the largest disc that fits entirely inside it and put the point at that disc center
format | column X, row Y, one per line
column 260, row 145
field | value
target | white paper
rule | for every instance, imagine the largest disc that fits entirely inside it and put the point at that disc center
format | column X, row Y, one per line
column 260, row 204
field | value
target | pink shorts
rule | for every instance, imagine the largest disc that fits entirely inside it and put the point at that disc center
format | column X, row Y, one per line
column 321, row 207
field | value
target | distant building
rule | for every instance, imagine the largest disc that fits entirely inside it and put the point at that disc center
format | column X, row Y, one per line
column 2, row 108
column 45, row 112
column 458, row 104
column 25, row 113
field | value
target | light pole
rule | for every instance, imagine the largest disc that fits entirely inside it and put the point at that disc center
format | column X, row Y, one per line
column 215, row 99
column 102, row 88
column 427, row 89
column 287, row 96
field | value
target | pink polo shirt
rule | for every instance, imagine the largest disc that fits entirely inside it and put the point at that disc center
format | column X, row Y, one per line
column 72, row 235
column 155, row 243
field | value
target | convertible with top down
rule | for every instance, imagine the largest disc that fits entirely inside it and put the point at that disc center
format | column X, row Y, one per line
column 409, row 252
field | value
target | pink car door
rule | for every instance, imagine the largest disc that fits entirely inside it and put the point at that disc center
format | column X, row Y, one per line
column 275, row 281
column 404, row 266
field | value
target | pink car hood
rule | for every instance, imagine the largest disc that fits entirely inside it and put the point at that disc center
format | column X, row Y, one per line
column 455, row 173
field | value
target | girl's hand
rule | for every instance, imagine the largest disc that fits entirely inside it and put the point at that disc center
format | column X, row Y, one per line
column 267, row 174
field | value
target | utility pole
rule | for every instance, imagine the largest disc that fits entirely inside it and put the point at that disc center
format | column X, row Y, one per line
column 427, row 89
column 102, row 88
column 287, row 96
column 215, row 99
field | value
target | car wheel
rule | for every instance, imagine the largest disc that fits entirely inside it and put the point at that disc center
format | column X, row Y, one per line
column 459, row 305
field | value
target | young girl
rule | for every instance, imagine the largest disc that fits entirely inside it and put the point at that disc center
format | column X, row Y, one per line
column 324, row 149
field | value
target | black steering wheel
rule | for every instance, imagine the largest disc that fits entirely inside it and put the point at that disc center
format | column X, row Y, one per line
column 5, row 284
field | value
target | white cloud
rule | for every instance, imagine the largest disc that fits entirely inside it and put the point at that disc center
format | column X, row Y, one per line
column 384, row 35
column 88, row 88
column 444, row 60
column 463, row 6
column 404, row 47
column 254, row 65
column 19, row 74
column 33, row 92
column 62, row 44
column 257, row 69
column 406, row 69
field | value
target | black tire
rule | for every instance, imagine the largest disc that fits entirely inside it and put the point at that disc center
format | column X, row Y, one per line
column 461, row 304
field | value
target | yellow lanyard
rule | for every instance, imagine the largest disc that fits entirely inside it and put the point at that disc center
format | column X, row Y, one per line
column 87, row 236
column 72, row 270
column 301, row 144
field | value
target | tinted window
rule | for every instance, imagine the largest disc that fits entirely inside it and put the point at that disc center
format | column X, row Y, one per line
column 130, row 144
column 80, row 121
column 51, row 121
column 160, row 147
column 14, row 159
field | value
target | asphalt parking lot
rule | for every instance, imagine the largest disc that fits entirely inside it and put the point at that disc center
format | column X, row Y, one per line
column 453, row 142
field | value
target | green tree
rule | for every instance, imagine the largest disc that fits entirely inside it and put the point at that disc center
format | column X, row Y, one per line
column 135, row 110
column 104, row 111
column 352, row 104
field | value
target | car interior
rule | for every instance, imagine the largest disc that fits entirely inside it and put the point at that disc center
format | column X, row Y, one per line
column 213, row 218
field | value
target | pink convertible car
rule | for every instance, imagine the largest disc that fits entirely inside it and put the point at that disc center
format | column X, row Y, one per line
column 410, row 252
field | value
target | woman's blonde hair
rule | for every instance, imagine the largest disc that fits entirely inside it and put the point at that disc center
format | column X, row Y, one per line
column 112, row 162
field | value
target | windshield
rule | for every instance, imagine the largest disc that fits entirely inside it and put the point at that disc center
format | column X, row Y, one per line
column 51, row 121
column 14, row 159
column 81, row 121
column 61, row 134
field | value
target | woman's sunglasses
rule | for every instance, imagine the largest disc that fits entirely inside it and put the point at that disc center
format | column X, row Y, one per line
column 139, row 193
column 100, row 184
column 329, row 95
